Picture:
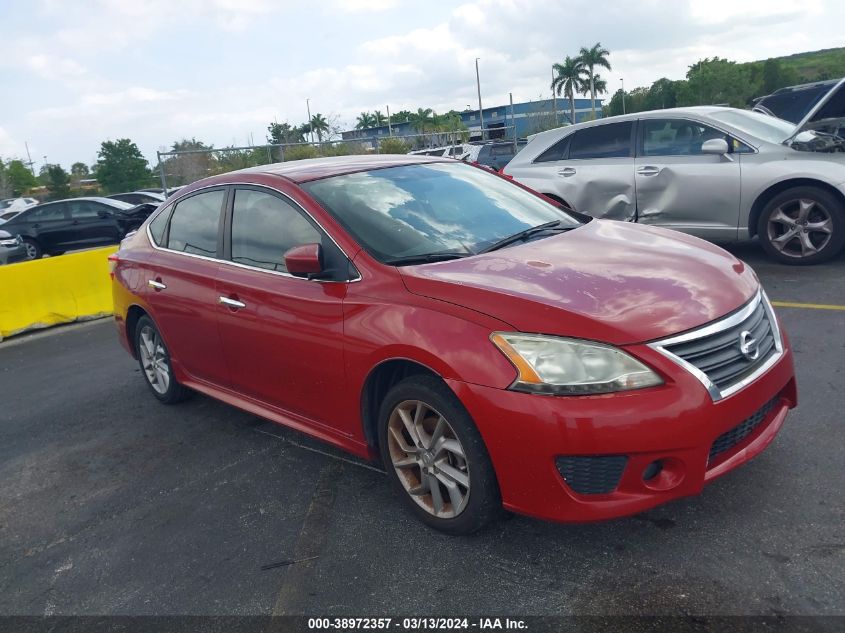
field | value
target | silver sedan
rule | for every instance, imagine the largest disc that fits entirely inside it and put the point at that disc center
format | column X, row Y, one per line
column 722, row 174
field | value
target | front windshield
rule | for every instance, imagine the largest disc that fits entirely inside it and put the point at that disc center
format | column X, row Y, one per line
column 762, row 126
column 430, row 208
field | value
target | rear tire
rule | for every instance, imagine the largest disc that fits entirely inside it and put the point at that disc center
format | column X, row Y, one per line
column 802, row 226
column 435, row 457
column 33, row 248
column 154, row 359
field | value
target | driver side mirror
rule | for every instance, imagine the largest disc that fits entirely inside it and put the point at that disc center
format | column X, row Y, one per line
column 305, row 259
column 715, row 146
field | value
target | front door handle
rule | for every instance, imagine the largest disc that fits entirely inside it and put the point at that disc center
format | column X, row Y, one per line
column 231, row 303
column 156, row 285
column 648, row 170
column 566, row 171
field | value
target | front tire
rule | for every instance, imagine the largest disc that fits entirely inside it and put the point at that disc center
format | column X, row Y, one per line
column 435, row 457
column 802, row 226
column 154, row 360
column 33, row 249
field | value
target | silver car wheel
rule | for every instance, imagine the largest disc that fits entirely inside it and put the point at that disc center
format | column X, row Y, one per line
column 31, row 250
column 428, row 458
column 800, row 228
column 154, row 359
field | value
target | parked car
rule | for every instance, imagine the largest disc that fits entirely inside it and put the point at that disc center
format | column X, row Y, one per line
column 722, row 174
column 16, row 204
column 170, row 190
column 452, row 151
column 489, row 347
column 12, row 249
column 139, row 197
column 493, row 155
column 55, row 227
column 795, row 102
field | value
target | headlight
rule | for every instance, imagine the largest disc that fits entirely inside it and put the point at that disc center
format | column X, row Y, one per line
column 10, row 241
column 565, row 366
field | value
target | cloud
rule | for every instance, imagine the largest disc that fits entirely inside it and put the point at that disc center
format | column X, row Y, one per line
column 364, row 6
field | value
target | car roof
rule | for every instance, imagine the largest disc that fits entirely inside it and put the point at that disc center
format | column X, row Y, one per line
column 305, row 170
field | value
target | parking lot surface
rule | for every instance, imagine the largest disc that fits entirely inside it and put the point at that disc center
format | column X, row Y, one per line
column 111, row 503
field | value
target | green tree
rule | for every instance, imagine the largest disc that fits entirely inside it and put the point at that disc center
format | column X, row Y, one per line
column 121, row 166
column 593, row 58
column 393, row 146
column 319, row 125
column 19, row 177
column 80, row 170
column 365, row 121
column 379, row 118
column 718, row 81
column 569, row 79
column 402, row 116
column 198, row 162
column 58, row 182
column 285, row 133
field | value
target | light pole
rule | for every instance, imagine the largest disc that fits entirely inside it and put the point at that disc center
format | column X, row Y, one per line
column 623, row 94
column 310, row 129
column 554, row 95
column 389, row 127
column 480, row 109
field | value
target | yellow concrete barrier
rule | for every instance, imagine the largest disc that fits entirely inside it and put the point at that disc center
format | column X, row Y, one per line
column 55, row 290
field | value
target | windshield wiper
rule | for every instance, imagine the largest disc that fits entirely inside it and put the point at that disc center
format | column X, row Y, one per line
column 426, row 258
column 554, row 225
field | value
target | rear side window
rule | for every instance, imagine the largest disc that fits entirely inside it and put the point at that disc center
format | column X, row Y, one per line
column 558, row 151
column 83, row 209
column 46, row 213
column 158, row 225
column 612, row 140
column 265, row 227
column 194, row 224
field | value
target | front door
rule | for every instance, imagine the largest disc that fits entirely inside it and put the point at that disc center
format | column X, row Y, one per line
column 91, row 224
column 282, row 334
column 679, row 187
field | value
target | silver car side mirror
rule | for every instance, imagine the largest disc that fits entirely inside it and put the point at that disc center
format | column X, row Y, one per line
column 715, row 146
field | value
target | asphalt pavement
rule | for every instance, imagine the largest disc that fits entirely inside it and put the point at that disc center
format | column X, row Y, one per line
column 111, row 503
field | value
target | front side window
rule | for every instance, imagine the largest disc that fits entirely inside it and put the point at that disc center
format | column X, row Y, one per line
column 433, row 208
column 677, row 137
column 194, row 224
column 47, row 213
column 264, row 227
column 611, row 140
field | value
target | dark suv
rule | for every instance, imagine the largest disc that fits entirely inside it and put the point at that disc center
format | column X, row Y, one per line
column 55, row 227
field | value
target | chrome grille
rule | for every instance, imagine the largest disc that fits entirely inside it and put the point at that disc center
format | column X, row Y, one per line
column 714, row 353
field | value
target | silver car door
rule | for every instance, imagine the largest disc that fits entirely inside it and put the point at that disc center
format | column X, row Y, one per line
column 597, row 177
column 685, row 183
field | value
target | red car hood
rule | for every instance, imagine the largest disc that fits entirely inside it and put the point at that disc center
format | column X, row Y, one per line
column 608, row 281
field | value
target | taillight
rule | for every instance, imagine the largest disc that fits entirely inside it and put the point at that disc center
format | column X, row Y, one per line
column 113, row 259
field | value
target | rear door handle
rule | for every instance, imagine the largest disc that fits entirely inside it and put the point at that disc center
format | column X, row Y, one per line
column 156, row 285
column 566, row 171
column 648, row 170
column 231, row 303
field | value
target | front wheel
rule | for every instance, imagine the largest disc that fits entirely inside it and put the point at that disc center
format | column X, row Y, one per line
column 33, row 248
column 802, row 225
column 435, row 457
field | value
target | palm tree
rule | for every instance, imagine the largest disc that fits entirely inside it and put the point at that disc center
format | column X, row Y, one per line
column 319, row 125
column 569, row 79
column 365, row 121
column 378, row 118
column 599, row 84
column 593, row 58
column 422, row 119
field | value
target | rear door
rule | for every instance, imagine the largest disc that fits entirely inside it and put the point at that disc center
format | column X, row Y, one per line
column 679, row 187
column 91, row 224
column 594, row 170
column 282, row 334
column 180, row 284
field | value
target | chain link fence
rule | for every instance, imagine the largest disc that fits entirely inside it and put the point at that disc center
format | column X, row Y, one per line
column 182, row 167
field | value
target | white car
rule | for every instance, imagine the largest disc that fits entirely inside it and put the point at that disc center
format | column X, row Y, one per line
column 15, row 204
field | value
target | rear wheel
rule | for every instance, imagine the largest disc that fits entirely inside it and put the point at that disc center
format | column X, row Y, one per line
column 155, row 363
column 803, row 225
column 435, row 457
column 33, row 248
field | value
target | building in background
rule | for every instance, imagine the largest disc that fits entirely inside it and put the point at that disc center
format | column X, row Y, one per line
column 527, row 118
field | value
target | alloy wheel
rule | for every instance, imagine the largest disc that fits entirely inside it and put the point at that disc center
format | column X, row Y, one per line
column 800, row 228
column 154, row 359
column 428, row 458
column 31, row 250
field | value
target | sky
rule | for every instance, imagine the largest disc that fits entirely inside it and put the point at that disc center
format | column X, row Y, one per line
column 74, row 73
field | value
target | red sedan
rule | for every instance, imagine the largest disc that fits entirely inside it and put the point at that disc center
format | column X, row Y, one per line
column 490, row 348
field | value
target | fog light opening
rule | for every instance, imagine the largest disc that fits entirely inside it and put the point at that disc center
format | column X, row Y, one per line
column 653, row 470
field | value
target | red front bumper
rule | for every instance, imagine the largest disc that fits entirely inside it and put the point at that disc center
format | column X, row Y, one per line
column 676, row 423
